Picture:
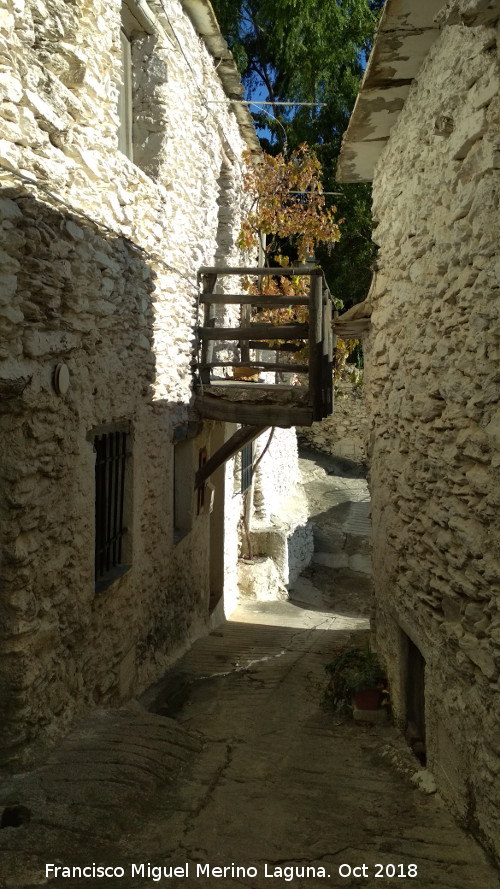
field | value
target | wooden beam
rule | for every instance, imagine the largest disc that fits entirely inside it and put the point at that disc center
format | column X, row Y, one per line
column 260, row 271
column 245, row 320
column 257, row 331
column 208, row 282
column 234, row 444
column 283, row 347
column 252, row 299
column 287, row 367
column 284, row 416
column 327, row 360
column 316, row 347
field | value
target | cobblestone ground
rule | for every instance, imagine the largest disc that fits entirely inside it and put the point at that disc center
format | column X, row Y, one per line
column 234, row 762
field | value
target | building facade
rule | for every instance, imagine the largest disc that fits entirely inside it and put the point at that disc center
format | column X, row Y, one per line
column 426, row 129
column 120, row 175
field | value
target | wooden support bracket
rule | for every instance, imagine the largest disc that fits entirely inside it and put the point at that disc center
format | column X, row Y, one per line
column 234, row 444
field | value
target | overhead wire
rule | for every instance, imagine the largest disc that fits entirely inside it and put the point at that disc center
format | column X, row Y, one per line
column 206, row 102
column 275, row 120
column 203, row 99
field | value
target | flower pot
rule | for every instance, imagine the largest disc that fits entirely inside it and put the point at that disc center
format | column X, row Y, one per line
column 367, row 699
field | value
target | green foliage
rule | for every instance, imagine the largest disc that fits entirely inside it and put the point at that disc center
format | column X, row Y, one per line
column 349, row 268
column 350, row 671
column 301, row 51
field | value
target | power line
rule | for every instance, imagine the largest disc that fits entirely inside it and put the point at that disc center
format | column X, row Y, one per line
column 258, row 102
column 337, row 194
column 193, row 74
column 275, row 120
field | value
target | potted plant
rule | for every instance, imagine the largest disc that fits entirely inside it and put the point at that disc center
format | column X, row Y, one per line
column 356, row 674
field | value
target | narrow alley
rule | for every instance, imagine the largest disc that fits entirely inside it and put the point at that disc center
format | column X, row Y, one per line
column 233, row 770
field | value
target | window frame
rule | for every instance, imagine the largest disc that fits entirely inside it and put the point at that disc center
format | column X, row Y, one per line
column 112, row 546
column 183, row 487
column 137, row 19
column 125, row 99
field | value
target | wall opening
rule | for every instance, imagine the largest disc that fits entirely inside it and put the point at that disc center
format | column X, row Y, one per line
column 217, row 522
column 143, row 107
column 183, row 488
column 415, row 701
column 113, row 553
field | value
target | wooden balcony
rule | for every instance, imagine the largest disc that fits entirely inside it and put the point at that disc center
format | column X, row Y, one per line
column 281, row 391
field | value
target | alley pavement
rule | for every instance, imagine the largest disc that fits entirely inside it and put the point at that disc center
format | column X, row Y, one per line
column 232, row 772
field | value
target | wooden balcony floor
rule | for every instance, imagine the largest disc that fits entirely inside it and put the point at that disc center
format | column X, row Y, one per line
column 272, row 404
column 252, row 402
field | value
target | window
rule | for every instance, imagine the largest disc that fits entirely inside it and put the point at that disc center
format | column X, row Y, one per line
column 125, row 98
column 111, row 449
column 183, row 488
column 246, row 467
column 201, row 491
column 136, row 22
column 136, row 105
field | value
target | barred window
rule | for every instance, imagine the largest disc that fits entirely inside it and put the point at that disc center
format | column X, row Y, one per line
column 246, row 466
column 111, row 450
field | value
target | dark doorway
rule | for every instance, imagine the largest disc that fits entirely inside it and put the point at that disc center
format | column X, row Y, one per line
column 415, row 701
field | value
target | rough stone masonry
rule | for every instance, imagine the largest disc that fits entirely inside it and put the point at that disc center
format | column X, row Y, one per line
column 99, row 251
column 432, row 387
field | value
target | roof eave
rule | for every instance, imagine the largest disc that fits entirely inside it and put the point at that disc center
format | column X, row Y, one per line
column 206, row 25
column 405, row 34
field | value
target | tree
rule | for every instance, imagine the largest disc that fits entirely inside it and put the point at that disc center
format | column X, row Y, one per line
column 288, row 206
column 311, row 51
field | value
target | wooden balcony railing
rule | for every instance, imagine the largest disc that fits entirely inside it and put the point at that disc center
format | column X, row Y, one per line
column 258, row 402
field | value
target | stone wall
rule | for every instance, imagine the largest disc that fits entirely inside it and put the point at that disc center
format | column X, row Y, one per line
column 98, row 258
column 432, row 383
column 280, row 534
column 345, row 433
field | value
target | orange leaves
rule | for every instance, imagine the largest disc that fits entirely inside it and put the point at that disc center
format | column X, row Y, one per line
column 344, row 349
column 289, row 204
column 289, row 208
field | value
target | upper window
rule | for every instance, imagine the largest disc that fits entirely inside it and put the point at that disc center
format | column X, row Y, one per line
column 136, row 23
column 111, row 482
column 146, row 49
column 125, row 106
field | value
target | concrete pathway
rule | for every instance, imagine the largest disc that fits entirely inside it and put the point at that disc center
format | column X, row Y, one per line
column 233, row 762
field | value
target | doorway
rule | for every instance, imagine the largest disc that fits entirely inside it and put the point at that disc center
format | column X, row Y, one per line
column 415, row 700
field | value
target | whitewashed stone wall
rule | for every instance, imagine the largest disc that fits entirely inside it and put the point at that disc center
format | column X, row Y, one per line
column 280, row 528
column 432, row 384
column 110, row 291
column 344, row 434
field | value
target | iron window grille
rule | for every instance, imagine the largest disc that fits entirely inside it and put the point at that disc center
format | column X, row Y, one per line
column 110, row 475
column 246, row 467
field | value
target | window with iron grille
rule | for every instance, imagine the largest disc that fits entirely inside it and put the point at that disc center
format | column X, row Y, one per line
column 246, row 467
column 111, row 450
